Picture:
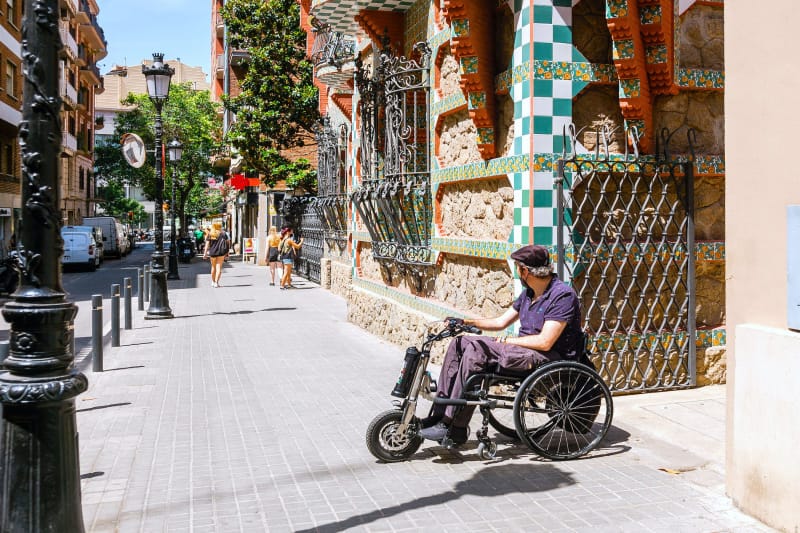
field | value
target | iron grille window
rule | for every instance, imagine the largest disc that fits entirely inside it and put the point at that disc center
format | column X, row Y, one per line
column 394, row 197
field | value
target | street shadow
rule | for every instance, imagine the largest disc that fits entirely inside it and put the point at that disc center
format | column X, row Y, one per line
column 136, row 343
column 240, row 285
column 489, row 482
column 123, row 368
column 97, row 407
column 243, row 312
column 90, row 475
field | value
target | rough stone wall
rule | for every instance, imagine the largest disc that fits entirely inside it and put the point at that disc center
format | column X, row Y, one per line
column 458, row 141
column 710, row 293
column 702, row 38
column 504, row 139
column 341, row 278
column 711, row 365
column 709, row 208
column 369, row 268
column 482, row 209
column 702, row 110
column 590, row 33
column 475, row 286
column 391, row 321
column 595, row 107
column 449, row 77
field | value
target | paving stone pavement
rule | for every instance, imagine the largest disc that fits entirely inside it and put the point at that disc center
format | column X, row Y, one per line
column 248, row 412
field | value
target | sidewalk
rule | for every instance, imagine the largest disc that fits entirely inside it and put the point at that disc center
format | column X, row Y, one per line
column 248, row 412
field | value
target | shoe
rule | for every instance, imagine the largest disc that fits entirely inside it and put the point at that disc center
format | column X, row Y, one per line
column 429, row 421
column 213, row 284
column 439, row 432
column 271, row 283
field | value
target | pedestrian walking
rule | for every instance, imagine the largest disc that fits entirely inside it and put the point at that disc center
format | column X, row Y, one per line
column 288, row 253
column 217, row 247
column 273, row 256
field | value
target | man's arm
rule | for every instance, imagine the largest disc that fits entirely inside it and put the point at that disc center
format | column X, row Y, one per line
column 496, row 323
column 543, row 341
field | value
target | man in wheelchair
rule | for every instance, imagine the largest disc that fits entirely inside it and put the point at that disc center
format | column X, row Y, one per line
column 550, row 329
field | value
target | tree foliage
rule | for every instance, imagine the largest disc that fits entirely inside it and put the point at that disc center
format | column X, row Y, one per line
column 192, row 118
column 278, row 104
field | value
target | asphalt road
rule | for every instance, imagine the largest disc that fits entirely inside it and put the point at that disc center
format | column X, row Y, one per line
column 82, row 284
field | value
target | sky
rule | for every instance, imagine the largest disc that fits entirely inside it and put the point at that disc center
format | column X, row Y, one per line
column 134, row 30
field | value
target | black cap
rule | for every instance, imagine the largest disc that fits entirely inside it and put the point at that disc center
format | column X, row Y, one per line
column 532, row 256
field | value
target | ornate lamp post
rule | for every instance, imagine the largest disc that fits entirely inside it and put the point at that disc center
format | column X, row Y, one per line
column 158, row 76
column 175, row 150
column 39, row 476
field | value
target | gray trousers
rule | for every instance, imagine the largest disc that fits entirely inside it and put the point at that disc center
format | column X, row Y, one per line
column 480, row 353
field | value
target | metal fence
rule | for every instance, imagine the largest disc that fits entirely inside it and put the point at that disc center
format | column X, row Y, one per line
column 626, row 241
column 309, row 256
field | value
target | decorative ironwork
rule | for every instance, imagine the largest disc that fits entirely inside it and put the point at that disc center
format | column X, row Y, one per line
column 394, row 197
column 625, row 239
column 39, row 474
column 300, row 215
column 330, row 48
column 331, row 202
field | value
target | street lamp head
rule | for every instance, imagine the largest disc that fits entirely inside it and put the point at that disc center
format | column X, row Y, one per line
column 158, row 76
column 175, row 149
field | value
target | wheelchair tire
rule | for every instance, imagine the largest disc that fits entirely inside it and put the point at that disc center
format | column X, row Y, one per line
column 563, row 410
column 384, row 444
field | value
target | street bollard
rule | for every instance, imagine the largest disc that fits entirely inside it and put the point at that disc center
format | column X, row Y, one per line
column 115, row 314
column 127, row 293
column 147, row 283
column 140, row 288
column 97, row 332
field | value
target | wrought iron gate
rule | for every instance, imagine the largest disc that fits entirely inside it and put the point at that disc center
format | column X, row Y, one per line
column 310, row 255
column 626, row 240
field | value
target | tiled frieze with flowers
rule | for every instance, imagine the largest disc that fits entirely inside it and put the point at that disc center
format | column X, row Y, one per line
column 476, row 248
column 449, row 103
column 476, row 100
column 650, row 14
column 493, row 167
column 656, row 54
column 460, row 27
column 651, row 340
column 469, row 65
column 629, row 88
column 623, row 49
column 616, row 8
column 695, row 78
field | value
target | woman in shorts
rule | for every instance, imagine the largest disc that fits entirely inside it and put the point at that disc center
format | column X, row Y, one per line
column 273, row 242
column 288, row 250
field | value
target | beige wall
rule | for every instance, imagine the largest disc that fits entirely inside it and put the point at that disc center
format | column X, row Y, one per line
column 761, row 95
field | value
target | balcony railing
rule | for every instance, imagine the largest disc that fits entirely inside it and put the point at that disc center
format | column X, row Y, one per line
column 68, row 40
column 67, row 91
column 331, row 48
column 220, row 25
column 69, row 141
column 73, row 5
column 219, row 66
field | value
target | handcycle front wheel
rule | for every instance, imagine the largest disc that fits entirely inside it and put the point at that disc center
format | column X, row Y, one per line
column 563, row 410
column 383, row 441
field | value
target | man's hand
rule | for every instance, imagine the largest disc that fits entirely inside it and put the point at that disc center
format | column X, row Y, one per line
column 454, row 321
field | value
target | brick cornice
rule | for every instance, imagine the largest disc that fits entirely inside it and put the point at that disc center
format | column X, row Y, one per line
column 377, row 24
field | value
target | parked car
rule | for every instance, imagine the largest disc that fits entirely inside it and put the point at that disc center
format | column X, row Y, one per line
column 114, row 240
column 80, row 248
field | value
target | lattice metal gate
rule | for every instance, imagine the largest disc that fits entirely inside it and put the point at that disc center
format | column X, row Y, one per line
column 310, row 255
column 626, row 240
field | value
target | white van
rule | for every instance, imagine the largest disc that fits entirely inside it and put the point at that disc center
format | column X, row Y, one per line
column 80, row 247
column 113, row 236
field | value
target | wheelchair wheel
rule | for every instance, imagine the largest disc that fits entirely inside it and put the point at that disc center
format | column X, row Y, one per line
column 563, row 410
column 385, row 444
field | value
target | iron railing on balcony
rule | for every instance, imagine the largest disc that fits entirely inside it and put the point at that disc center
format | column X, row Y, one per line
column 331, row 48
column 68, row 39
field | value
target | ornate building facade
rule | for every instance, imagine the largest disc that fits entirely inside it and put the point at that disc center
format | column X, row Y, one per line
column 84, row 45
column 459, row 130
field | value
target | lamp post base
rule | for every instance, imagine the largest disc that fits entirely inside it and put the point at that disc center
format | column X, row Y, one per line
column 159, row 298
column 173, row 264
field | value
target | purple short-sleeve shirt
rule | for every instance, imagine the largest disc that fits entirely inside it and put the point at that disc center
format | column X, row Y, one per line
column 559, row 302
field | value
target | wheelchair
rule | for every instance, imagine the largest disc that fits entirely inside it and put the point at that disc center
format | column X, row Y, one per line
column 561, row 410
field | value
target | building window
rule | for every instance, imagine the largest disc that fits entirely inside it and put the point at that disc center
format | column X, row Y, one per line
column 11, row 78
column 80, row 180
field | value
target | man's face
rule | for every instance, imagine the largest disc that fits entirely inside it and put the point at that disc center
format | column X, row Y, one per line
column 523, row 273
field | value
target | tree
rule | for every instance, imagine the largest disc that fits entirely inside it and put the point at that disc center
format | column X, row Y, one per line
column 115, row 203
column 191, row 117
column 277, row 107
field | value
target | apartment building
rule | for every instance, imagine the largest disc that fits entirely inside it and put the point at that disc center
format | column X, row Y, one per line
column 80, row 81
column 123, row 80
column 10, row 117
